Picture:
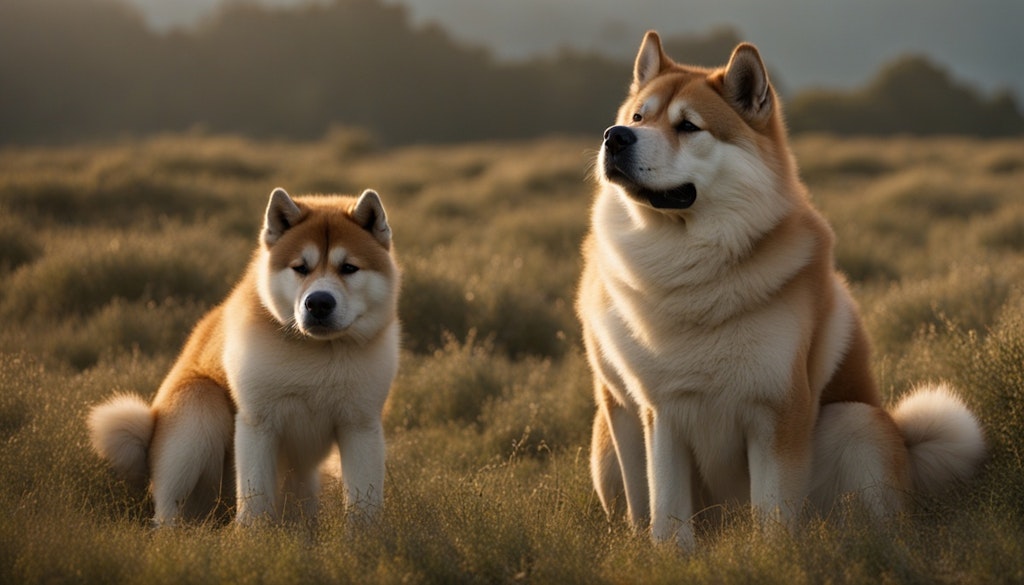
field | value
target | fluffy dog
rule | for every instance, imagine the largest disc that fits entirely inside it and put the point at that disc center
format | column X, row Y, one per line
column 729, row 359
column 299, row 358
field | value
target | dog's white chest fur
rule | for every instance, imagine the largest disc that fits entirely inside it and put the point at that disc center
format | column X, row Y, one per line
column 664, row 358
column 680, row 321
column 307, row 388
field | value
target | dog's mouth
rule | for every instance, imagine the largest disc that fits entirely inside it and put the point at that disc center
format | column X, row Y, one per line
column 680, row 197
column 321, row 330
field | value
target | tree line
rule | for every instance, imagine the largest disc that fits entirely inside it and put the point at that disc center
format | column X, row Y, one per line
column 79, row 70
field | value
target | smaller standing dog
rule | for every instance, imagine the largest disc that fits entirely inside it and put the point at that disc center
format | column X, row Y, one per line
column 299, row 358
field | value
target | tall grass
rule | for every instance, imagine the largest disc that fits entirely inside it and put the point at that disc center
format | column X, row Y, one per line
column 109, row 254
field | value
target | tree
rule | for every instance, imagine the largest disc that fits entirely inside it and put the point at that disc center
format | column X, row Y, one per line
column 910, row 95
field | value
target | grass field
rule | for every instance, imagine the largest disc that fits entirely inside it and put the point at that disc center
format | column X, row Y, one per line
column 109, row 254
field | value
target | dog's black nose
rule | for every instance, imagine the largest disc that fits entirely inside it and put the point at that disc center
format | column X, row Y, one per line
column 320, row 304
column 618, row 138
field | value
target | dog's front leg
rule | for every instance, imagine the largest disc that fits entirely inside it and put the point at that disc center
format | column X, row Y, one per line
column 780, row 461
column 669, row 469
column 256, row 470
column 362, row 466
column 627, row 432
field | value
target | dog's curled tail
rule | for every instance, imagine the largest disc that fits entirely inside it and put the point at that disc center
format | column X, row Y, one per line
column 944, row 439
column 120, row 430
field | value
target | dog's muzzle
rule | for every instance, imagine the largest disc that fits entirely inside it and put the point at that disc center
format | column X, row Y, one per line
column 617, row 139
column 619, row 165
column 320, row 305
column 319, row 318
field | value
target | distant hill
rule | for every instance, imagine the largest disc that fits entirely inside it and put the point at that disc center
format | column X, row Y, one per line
column 815, row 42
column 78, row 70
column 911, row 95
column 818, row 43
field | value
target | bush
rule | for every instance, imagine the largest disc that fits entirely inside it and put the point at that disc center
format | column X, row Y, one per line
column 991, row 369
column 971, row 297
column 81, row 275
column 1004, row 231
column 450, row 386
column 512, row 301
column 909, row 95
column 18, row 244
column 149, row 328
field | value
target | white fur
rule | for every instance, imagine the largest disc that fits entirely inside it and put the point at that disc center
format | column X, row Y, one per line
column 276, row 290
column 120, row 430
column 944, row 438
column 680, row 110
column 188, row 474
column 850, row 452
column 337, row 256
column 299, row 404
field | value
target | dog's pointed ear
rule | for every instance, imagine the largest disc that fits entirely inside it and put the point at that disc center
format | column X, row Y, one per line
column 650, row 60
column 746, row 86
column 282, row 214
column 369, row 213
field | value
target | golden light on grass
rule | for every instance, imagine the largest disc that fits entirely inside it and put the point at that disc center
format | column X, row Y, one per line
column 109, row 254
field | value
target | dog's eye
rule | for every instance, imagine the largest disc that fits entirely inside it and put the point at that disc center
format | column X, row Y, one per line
column 301, row 269
column 638, row 118
column 347, row 268
column 687, row 126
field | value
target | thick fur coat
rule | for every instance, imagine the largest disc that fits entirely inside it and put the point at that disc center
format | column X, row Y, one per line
column 729, row 359
column 297, row 360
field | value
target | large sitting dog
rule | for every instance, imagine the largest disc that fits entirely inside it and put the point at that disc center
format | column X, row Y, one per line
column 729, row 359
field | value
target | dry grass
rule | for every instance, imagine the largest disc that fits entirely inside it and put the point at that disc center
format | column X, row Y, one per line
column 109, row 254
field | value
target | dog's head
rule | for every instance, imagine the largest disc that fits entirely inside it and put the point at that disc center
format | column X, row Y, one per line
column 325, row 267
column 688, row 138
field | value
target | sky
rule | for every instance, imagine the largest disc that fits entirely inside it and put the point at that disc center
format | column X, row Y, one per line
column 812, row 43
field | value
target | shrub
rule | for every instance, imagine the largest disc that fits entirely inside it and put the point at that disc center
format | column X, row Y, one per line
column 113, row 194
column 1004, row 231
column 992, row 371
column 149, row 328
column 935, row 195
column 514, row 301
column 450, row 386
column 431, row 305
column 550, row 408
column 81, row 275
column 18, row 244
column 970, row 296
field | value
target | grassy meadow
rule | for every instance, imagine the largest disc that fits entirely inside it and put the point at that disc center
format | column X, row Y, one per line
column 109, row 254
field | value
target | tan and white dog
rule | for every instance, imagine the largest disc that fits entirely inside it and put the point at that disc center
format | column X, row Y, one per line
column 729, row 359
column 298, row 359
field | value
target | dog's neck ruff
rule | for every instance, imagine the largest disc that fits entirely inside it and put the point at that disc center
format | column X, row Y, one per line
column 645, row 255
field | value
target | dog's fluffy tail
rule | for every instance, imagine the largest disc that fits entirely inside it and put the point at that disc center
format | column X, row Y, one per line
column 943, row 437
column 120, row 430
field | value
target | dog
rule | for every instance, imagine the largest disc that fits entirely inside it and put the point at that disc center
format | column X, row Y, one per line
column 299, row 358
column 730, row 363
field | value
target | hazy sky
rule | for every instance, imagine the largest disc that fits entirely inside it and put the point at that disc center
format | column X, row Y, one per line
column 810, row 42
